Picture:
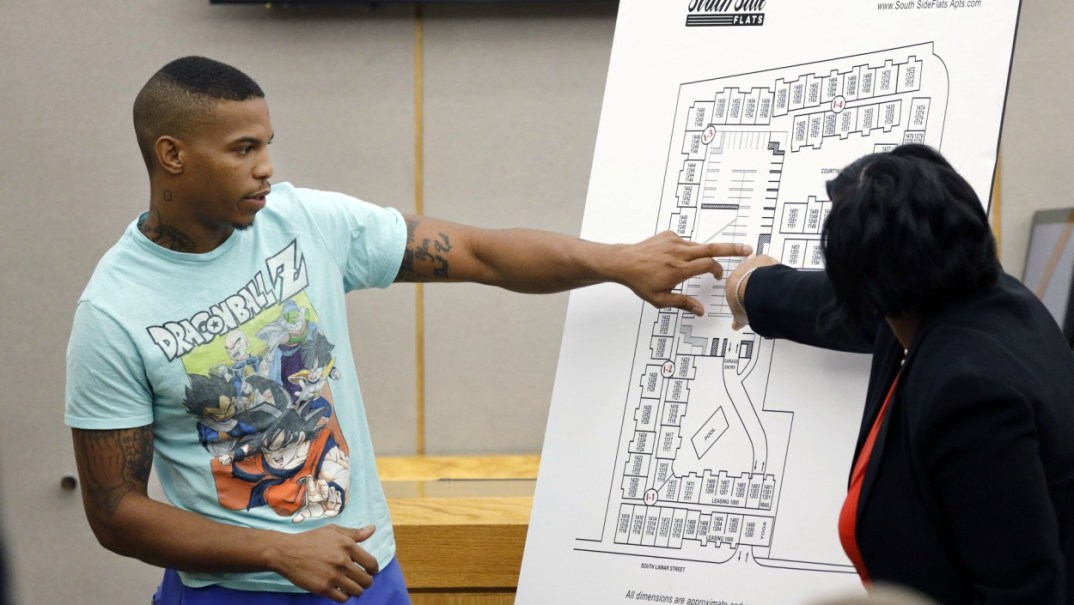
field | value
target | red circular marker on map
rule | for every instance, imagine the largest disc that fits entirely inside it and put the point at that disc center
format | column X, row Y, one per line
column 650, row 497
column 708, row 135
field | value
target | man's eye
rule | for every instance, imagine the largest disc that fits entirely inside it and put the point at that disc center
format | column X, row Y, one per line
column 243, row 150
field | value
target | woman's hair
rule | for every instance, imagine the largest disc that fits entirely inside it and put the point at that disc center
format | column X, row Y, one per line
column 906, row 235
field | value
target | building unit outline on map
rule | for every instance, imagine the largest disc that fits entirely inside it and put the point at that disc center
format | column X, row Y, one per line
column 700, row 467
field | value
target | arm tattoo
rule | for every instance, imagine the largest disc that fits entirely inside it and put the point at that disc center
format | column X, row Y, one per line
column 163, row 235
column 426, row 261
column 115, row 463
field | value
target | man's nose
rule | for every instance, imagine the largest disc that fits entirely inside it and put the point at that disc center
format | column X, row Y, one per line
column 263, row 170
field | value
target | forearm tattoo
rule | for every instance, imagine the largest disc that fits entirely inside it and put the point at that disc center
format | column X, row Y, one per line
column 114, row 463
column 426, row 261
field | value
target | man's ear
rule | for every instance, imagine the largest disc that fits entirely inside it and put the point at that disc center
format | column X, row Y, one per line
column 170, row 154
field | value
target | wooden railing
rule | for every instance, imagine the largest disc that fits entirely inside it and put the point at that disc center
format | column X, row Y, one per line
column 460, row 524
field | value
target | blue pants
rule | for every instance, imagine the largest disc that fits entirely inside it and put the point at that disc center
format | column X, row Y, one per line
column 388, row 589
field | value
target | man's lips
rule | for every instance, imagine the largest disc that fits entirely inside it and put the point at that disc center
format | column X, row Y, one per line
column 257, row 199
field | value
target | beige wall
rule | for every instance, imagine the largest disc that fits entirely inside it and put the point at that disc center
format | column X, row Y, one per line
column 1036, row 166
column 512, row 100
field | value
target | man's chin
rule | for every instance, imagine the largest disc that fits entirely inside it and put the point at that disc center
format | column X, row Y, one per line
column 243, row 226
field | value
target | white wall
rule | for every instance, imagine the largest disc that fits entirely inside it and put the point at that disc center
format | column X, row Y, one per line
column 512, row 99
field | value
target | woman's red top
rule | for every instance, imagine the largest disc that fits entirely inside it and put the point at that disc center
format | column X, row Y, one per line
column 848, row 516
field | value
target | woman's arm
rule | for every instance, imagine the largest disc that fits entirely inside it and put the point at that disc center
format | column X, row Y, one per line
column 780, row 302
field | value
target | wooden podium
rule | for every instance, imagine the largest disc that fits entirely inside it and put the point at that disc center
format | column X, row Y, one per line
column 460, row 524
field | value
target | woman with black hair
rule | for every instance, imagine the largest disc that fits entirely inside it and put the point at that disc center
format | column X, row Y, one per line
column 962, row 483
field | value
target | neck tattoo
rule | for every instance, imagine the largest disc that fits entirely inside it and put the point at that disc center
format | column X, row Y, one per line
column 163, row 235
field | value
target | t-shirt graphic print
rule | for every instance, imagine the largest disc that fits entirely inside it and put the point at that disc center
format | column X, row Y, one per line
column 260, row 398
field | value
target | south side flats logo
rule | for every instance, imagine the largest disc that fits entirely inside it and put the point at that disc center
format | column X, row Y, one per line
column 716, row 13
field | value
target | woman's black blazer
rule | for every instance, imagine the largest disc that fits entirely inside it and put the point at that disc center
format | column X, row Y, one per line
column 969, row 493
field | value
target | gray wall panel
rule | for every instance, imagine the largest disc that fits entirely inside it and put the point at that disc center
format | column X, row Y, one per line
column 1036, row 165
column 513, row 98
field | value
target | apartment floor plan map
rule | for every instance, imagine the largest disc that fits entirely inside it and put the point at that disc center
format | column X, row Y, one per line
column 701, row 463
column 684, row 461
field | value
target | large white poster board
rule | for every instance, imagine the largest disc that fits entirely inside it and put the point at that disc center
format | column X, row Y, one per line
column 685, row 462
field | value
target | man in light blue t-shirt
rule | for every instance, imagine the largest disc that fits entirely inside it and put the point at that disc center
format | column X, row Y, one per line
column 217, row 346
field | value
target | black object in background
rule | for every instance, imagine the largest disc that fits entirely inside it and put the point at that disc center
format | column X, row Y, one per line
column 301, row 2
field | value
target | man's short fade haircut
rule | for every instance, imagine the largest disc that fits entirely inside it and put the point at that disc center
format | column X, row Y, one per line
column 183, row 92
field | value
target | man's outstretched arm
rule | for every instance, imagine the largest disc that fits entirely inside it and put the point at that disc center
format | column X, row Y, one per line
column 114, row 466
column 531, row 261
